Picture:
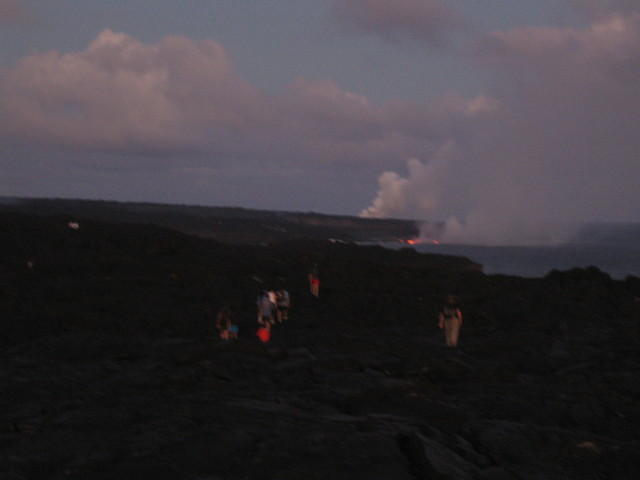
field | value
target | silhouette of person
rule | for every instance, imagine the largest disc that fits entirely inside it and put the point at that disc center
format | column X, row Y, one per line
column 226, row 329
column 314, row 281
column 450, row 320
column 283, row 302
column 265, row 308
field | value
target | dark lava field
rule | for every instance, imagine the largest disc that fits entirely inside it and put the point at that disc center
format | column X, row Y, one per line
column 110, row 366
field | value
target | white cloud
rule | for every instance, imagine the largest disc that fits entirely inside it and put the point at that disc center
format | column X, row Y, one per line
column 120, row 93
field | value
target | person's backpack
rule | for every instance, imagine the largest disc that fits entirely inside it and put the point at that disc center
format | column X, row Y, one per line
column 263, row 334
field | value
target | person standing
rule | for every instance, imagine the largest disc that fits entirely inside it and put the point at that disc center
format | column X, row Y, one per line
column 273, row 298
column 450, row 320
column 283, row 303
column 224, row 324
column 314, row 281
column 265, row 309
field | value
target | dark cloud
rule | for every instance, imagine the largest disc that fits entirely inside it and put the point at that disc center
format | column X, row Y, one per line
column 423, row 20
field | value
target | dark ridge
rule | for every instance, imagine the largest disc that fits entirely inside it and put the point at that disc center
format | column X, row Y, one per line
column 226, row 224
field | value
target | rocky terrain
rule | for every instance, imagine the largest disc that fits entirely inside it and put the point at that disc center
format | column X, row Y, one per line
column 110, row 367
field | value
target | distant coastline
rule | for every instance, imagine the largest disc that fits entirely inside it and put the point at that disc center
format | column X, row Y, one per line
column 225, row 224
column 618, row 260
column 613, row 248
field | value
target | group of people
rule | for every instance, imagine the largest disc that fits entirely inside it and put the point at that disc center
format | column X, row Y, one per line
column 273, row 307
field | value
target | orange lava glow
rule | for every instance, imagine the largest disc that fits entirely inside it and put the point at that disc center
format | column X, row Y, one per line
column 418, row 241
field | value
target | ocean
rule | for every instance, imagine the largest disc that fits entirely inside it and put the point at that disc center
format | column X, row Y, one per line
column 616, row 260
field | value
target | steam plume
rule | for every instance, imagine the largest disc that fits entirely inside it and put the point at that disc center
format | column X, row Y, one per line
column 561, row 150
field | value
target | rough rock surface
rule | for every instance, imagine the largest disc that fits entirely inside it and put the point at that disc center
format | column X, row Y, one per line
column 110, row 367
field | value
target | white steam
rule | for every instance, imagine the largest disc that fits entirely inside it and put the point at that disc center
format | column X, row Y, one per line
column 559, row 148
column 482, row 230
column 435, row 193
column 391, row 197
column 420, row 192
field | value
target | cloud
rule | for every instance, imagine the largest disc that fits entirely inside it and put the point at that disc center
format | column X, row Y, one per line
column 120, row 93
column 178, row 95
column 122, row 113
column 341, row 126
column 561, row 148
column 425, row 20
column 10, row 10
column 555, row 140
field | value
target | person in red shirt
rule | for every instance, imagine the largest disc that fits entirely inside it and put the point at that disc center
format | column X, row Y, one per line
column 314, row 281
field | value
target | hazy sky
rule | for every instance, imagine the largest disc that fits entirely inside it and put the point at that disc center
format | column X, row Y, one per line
column 497, row 116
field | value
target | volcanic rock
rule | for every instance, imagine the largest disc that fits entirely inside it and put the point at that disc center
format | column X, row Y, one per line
column 111, row 366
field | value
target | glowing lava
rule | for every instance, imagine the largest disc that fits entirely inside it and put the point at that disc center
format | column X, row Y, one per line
column 418, row 241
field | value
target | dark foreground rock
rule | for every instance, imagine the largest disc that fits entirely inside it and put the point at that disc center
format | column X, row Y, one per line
column 109, row 367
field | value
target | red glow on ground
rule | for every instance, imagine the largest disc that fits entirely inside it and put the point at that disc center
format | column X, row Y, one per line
column 418, row 241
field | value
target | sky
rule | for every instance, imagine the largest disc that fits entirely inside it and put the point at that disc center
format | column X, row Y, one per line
column 510, row 121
